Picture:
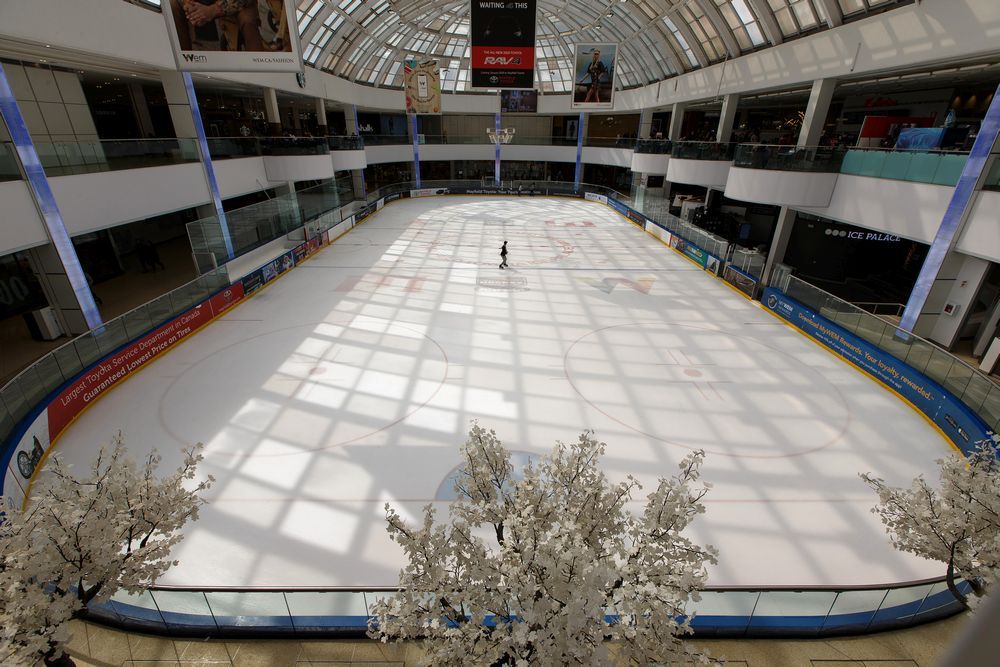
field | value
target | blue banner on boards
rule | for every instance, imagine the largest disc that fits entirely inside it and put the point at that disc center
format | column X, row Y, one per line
column 955, row 419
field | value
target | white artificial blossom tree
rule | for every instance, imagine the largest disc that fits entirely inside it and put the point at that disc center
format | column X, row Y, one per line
column 543, row 566
column 957, row 523
column 80, row 540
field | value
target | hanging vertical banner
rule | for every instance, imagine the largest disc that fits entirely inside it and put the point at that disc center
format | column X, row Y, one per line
column 502, row 35
column 233, row 35
column 594, row 76
column 423, row 86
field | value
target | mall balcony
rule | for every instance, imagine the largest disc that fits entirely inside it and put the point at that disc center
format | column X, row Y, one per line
column 703, row 163
column 784, row 175
column 651, row 156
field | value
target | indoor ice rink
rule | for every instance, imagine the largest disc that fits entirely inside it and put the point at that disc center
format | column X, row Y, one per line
column 351, row 381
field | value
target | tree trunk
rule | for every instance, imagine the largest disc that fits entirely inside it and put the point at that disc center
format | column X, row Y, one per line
column 950, row 579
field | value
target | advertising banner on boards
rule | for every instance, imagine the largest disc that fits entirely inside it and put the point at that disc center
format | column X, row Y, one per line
column 594, row 76
column 422, row 81
column 953, row 417
column 502, row 36
column 233, row 35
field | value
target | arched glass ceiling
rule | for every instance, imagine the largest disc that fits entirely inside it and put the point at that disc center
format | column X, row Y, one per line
column 367, row 40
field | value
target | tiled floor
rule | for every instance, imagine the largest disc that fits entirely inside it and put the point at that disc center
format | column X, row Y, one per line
column 119, row 295
column 96, row 646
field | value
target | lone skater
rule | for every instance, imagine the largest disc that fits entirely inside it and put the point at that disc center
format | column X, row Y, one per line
column 503, row 255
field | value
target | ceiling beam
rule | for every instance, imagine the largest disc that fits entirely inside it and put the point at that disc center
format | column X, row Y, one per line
column 834, row 15
column 715, row 18
column 765, row 18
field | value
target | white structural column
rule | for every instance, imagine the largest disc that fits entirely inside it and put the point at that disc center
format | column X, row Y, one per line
column 779, row 242
column 271, row 109
column 834, row 16
column 727, row 118
column 812, row 130
column 321, row 115
column 676, row 121
column 357, row 175
column 177, row 102
column 816, row 111
column 645, row 123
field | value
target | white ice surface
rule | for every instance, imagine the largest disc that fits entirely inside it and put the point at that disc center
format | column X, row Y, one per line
column 350, row 382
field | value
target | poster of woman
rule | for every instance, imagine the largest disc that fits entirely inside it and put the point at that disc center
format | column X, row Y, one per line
column 233, row 35
column 594, row 76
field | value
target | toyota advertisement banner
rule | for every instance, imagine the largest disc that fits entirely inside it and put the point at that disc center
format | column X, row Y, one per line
column 502, row 35
column 233, row 35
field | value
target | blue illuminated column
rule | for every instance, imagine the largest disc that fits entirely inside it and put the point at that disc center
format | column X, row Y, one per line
column 416, row 149
column 955, row 215
column 496, row 158
column 579, row 153
column 206, row 162
column 46, row 202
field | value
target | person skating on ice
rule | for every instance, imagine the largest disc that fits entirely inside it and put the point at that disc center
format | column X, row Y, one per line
column 503, row 255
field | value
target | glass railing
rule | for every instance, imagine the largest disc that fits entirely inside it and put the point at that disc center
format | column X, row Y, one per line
column 8, row 162
column 27, row 389
column 294, row 146
column 816, row 159
column 385, row 139
column 610, row 142
column 345, row 143
column 253, row 226
column 657, row 146
column 63, row 158
column 748, row 260
column 453, row 139
column 966, row 383
column 528, row 140
column 702, row 150
column 720, row 612
column 935, row 167
column 225, row 148
column 705, row 240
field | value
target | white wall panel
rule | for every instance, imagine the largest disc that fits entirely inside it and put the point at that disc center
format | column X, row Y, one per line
column 706, row 173
column 240, row 176
column 786, row 188
column 456, row 152
column 298, row 167
column 538, row 153
column 20, row 225
column 55, row 117
column 381, row 154
column 70, row 89
column 981, row 236
column 96, row 201
column 650, row 163
column 81, row 120
column 907, row 209
column 618, row 157
column 345, row 160
column 43, row 85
